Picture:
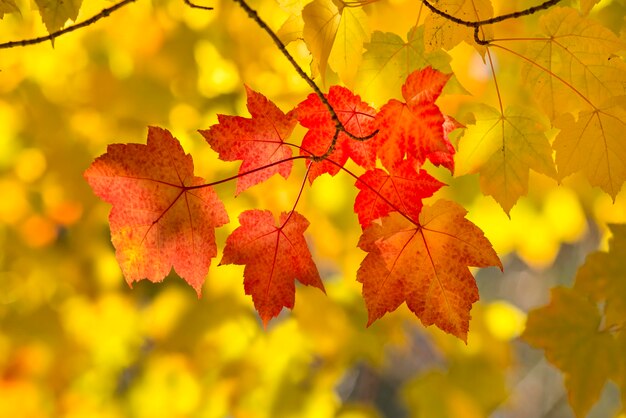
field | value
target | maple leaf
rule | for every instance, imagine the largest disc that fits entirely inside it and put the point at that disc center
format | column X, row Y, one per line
column 503, row 148
column 355, row 115
column 334, row 34
column 55, row 13
column 8, row 6
column 258, row 142
column 389, row 60
column 568, row 329
column 602, row 277
column 440, row 32
column 158, row 221
column 425, row 265
column 274, row 257
column 414, row 128
column 582, row 53
column 594, row 145
column 404, row 189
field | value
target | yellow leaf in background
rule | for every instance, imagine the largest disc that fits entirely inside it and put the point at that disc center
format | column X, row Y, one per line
column 389, row 60
column 602, row 277
column 291, row 29
column 55, row 13
column 587, row 5
column 441, row 33
column 334, row 35
column 503, row 148
column 352, row 33
column 594, row 144
column 321, row 21
column 568, row 329
column 8, row 6
column 582, row 54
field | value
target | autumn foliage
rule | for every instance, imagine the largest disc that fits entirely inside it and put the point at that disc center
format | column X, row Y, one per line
column 369, row 110
column 163, row 217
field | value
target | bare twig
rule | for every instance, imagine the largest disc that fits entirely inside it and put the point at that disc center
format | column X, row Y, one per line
column 338, row 125
column 196, row 6
column 104, row 13
column 476, row 24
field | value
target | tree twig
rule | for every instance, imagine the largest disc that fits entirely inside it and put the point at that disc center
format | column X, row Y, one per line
column 93, row 19
column 476, row 24
column 338, row 125
column 196, row 6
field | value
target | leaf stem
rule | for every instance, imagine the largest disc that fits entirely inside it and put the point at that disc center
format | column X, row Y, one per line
column 50, row 37
column 196, row 6
column 293, row 209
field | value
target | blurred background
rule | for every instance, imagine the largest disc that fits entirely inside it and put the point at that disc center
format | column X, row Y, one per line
column 76, row 341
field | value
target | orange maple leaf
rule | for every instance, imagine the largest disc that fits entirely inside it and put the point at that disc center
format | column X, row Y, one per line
column 274, row 257
column 159, row 221
column 403, row 190
column 258, row 141
column 425, row 265
column 355, row 115
column 414, row 129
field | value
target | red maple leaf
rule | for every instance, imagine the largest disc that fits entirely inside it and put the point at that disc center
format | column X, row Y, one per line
column 258, row 141
column 446, row 158
column 403, row 190
column 355, row 115
column 158, row 221
column 274, row 257
column 425, row 265
column 414, row 129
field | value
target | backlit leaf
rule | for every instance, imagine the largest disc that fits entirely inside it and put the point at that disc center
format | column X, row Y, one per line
column 503, row 149
column 389, row 60
column 602, row 277
column 582, row 54
column 425, row 265
column 258, row 141
column 594, row 145
column 55, row 13
column 334, row 35
column 274, row 256
column 568, row 329
column 413, row 129
column 8, row 6
column 440, row 32
column 356, row 116
column 404, row 189
column 158, row 221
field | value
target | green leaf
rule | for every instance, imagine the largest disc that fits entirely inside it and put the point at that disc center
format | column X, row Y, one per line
column 389, row 60
column 8, row 6
column 568, row 329
column 503, row 149
column 602, row 277
column 55, row 13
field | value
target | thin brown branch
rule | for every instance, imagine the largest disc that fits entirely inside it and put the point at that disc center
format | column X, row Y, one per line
column 476, row 24
column 281, row 46
column 196, row 6
column 50, row 37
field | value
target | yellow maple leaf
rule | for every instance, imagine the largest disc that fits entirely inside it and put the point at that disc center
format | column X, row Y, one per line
column 334, row 34
column 594, row 144
column 55, row 13
column 440, row 32
column 575, row 65
column 568, row 329
column 502, row 149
